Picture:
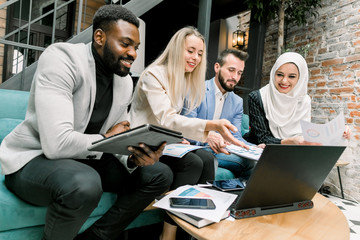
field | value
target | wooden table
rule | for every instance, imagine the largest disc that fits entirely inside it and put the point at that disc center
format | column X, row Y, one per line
column 324, row 221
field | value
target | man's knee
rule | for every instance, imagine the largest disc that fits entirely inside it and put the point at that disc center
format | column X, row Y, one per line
column 161, row 174
column 82, row 189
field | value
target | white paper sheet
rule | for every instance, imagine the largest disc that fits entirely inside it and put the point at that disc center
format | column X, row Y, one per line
column 327, row 134
column 253, row 152
column 178, row 149
column 222, row 201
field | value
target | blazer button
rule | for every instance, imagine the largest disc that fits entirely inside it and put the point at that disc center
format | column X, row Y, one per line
column 91, row 156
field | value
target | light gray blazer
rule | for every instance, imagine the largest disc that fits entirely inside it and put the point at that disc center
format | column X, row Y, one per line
column 152, row 104
column 61, row 101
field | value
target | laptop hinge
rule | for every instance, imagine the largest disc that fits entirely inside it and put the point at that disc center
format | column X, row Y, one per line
column 255, row 212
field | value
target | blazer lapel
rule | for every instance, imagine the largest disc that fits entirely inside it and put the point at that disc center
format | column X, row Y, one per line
column 92, row 81
column 210, row 98
column 228, row 105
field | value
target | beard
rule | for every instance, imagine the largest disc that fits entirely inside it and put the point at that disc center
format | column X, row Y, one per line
column 222, row 82
column 115, row 64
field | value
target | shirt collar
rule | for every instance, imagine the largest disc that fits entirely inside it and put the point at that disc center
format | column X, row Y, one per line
column 219, row 93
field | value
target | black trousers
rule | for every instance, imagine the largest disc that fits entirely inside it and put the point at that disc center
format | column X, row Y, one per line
column 193, row 168
column 72, row 189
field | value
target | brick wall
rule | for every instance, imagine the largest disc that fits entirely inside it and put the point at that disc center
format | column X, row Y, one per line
column 333, row 57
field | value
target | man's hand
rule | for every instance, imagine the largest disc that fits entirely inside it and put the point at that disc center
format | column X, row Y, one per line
column 118, row 128
column 144, row 156
column 223, row 127
column 217, row 143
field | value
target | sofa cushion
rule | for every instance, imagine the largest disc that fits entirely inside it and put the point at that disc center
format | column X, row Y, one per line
column 245, row 126
column 19, row 214
column 7, row 125
column 222, row 173
column 13, row 103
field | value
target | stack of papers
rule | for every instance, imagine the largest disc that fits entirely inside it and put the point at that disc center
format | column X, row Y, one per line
column 222, row 202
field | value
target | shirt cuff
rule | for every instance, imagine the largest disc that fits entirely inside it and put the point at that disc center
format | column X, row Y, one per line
column 124, row 161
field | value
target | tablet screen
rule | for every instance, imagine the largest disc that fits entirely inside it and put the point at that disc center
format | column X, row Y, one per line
column 228, row 184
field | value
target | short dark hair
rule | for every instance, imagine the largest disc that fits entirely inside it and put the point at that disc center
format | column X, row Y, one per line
column 237, row 53
column 107, row 15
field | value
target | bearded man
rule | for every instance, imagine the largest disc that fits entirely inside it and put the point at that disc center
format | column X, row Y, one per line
column 221, row 102
column 80, row 94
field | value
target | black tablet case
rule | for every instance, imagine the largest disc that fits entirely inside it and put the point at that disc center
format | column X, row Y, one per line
column 149, row 134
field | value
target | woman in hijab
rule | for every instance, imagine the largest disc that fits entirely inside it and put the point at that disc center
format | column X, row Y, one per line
column 276, row 109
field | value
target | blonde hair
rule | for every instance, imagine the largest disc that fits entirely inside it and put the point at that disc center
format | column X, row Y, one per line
column 174, row 61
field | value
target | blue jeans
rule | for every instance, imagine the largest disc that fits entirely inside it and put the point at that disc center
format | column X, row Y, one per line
column 241, row 167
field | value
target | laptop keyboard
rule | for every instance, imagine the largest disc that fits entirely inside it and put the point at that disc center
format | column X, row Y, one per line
column 238, row 193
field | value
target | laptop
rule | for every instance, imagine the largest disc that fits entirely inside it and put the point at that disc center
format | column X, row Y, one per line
column 285, row 178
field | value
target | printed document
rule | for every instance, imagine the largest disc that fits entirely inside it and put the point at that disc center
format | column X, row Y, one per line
column 327, row 134
column 222, row 202
column 178, row 149
column 253, row 152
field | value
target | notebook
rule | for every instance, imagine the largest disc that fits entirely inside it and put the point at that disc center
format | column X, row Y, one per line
column 285, row 178
column 149, row 134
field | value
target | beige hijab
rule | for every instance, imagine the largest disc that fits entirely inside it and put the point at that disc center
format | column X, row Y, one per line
column 284, row 111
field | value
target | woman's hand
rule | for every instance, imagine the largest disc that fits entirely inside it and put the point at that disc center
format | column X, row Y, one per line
column 297, row 140
column 347, row 133
column 261, row 145
column 144, row 156
column 118, row 128
column 184, row 141
column 223, row 127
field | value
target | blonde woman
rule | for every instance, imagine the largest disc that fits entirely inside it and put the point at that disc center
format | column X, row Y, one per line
column 177, row 73
column 160, row 91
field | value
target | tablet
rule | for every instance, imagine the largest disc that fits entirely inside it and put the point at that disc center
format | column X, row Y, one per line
column 148, row 134
column 228, row 184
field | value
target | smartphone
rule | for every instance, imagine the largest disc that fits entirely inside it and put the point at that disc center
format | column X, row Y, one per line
column 228, row 184
column 186, row 202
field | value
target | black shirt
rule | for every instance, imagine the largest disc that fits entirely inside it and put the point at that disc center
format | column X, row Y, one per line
column 104, row 95
column 259, row 125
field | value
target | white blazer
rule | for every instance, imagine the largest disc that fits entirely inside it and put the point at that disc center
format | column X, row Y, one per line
column 61, row 101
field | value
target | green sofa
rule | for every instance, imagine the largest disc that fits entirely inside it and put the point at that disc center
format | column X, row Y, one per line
column 22, row 221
